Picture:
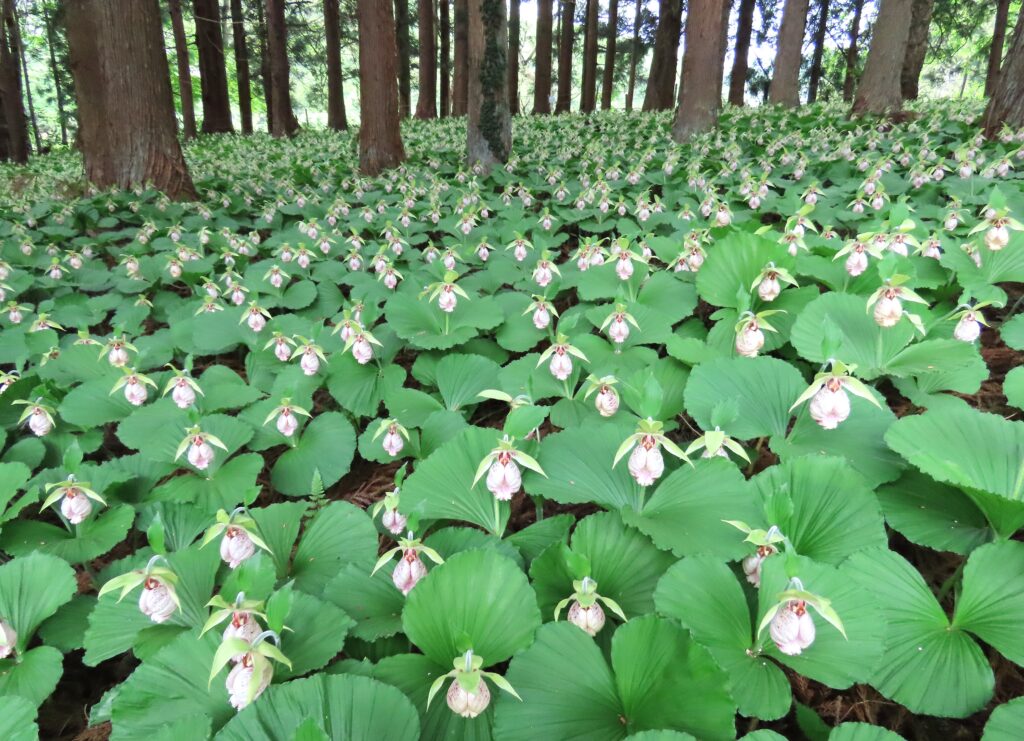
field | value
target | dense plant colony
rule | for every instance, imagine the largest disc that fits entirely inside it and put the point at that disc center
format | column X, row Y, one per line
column 622, row 439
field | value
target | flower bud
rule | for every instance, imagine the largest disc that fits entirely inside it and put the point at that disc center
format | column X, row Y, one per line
column 468, row 704
column 156, row 601
column 75, row 505
column 792, row 628
column 240, row 680
column 236, row 546
column 410, row 569
column 590, row 619
column 830, row 405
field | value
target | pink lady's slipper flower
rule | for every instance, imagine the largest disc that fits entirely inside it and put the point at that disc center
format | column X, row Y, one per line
column 75, row 498
column 394, row 436
column 607, row 400
column 468, row 694
column 240, row 536
column 410, row 568
column 830, row 405
column 888, row 303
column 502, row 468
column 200, row 447
column 38, row 416
column 585, row 612
column 792, row 628
column 646, row 463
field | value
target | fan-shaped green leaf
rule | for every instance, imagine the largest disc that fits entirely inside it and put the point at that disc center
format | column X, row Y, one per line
column 372, row 601
column 338, row 535
column 1005, row 722
column 327, row 446
column 992, row 597
column 734, row 263
column 34, row 676
column 31, row 589
column 90, row 539
column 461, row 377
column 18, row 719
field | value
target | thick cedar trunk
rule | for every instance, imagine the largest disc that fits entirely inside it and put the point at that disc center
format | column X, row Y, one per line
column 740, row 64
column 700, row 87
column 819, row 50
column 16, row 34
column 283, row 118
column 542, row 75
column 723, row 48
column 267, row 83
column 1007, row 104
column 785, row 86
column 241, row 65
column 426, row 103
column 661, row 81
column 564, row 101
column 402, row 44
column 995, row 54
column 446, row 63
column 13, row 125
column 634, row 55
column 608, row 75
column 850, row 80
column 461, row 78
column 336, row 118
column 490, row 125
column 213, row 77
column 917, row 47
column 588, row 92
column 57, row 86
column 125, row 105
column 184, row 65
column 512, row 83
column 380, row 140
column 879, row 89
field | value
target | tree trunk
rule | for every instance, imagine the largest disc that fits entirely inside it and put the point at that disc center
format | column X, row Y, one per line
column 542, row 75
column 1006, row 107
column 461, row 80
column 512, row 83
column 785, row 86
column 336, row 118
column 634, row 55
column 661, row 81
column 740, row 64
column 380, row 139
column 820, row 32
column 588, row 93
column 125, row 104
column 241, row 65
column 564, row 101
column 265, row 78
column 283, row 118
column 995, row 54
column 402, row 42
column 57, row 86
column 16, row 36
column 213, row 77
column 700, row 86
column 13, row 125
column 917, row 48
column 608, row 74
column 490, row 125
column 850, row 80
column 446, row 65
column 426, row 102
column 184, row 65
column 879, row 89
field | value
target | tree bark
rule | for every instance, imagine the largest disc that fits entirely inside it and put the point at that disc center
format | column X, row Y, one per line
column 820, row 32
column 608, row 74
column 13, row 125
column 879, row 90
column 404, row 63
column 661, row 81
column 242, row 77
column 995, row 54
column 184, row 65
column 461, row 91
column 564, row 101
column 380, row 138
column 785, row 86
column 634, row 55
column 336, row 118
column 588, row 92
column 917, row 48
column 446, row 65
column 740, row 64
column 283, row 118
column 16, row 36
column 490, row 125
column 57, row 86
column 265, row 77
column 542, row 75
column 512, row 83
column 850, row 80
column 426, row 102
column 213, row 77
column 1006, row 107
column 125, row 104
column 700, row 86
